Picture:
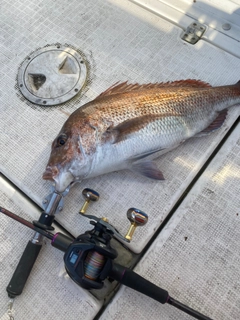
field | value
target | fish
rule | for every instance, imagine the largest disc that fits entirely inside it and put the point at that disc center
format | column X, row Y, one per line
column 129, row 125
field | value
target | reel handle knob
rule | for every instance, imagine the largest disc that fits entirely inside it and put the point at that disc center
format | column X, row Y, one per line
column 137, row 218
column 89, row 195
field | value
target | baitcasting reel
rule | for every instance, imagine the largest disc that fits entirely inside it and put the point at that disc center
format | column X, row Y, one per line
column 89, row 258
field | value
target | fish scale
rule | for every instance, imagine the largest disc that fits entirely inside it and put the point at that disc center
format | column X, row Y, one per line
column 129, row 125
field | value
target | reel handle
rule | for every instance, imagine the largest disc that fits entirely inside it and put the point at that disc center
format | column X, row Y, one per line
column 137, row 218
column 89, row 195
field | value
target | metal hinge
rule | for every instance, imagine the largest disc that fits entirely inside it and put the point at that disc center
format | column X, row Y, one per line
column 194, row 32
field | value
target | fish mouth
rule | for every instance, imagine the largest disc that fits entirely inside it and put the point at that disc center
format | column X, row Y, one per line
column 61, row 178
column 50, row 173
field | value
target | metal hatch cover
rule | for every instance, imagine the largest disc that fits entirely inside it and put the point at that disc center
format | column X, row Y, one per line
column 52, row 75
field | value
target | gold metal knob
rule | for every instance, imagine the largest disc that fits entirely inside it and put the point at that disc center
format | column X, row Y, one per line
column 137, row 218
column 89, row 195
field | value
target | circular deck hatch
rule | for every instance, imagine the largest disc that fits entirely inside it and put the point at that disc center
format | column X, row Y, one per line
column 52, row 75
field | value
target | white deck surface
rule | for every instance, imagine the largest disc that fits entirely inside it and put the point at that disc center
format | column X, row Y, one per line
column 124, row 41
column 196, row 256
column 49, row 293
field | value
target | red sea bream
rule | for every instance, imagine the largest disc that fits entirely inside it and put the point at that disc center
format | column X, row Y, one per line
column 129, row 125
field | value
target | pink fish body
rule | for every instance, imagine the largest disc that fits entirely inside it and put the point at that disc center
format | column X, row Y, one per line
column 129, row 125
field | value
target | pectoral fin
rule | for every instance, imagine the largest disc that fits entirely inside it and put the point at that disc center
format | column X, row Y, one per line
column 125, row 129
column 148, row 169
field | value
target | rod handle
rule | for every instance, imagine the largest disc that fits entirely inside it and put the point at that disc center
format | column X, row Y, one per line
column 23, row 270
column 133, row 280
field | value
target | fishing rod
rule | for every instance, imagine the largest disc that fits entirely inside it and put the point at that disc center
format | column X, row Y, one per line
column 89, row 258
column 52, row 204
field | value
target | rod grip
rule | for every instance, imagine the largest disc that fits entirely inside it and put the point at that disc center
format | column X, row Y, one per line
column 133, row 280
column 24, row 267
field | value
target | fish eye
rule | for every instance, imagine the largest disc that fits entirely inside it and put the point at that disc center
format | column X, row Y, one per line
column 61, row 140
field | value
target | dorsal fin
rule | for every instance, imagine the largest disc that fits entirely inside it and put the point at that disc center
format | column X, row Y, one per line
column 128, row 87
column 192, row 83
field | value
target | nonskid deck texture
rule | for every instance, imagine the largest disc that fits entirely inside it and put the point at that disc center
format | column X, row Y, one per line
column 196, row 255
column 127, row 43
column 121, row 41
column 49, row 293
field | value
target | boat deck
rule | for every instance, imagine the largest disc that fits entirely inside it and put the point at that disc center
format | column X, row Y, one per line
column 190, row 244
